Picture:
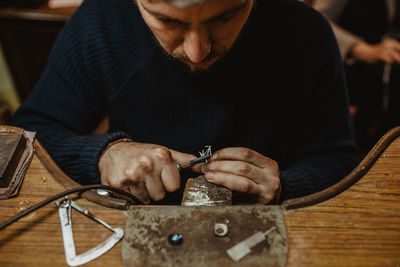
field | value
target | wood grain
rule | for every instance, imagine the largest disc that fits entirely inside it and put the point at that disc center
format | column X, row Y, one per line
column 37, row 240
column 358, row 227
column 62, row 178
column 42, row 13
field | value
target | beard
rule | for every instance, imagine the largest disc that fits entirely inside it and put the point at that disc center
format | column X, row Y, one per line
column 183, row 62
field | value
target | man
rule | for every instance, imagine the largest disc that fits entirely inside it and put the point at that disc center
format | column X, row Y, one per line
column 261, row 82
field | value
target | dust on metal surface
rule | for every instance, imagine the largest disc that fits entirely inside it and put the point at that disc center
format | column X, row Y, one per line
column 148, row 227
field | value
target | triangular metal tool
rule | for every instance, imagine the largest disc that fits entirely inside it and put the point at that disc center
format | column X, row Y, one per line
column 64, row 211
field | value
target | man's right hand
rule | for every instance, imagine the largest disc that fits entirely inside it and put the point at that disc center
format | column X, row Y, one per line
column 145, row 170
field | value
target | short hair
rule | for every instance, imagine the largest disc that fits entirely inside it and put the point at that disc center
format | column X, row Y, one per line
column 182, row 3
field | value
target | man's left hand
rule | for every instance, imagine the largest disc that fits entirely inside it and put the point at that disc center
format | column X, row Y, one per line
column 245, row 170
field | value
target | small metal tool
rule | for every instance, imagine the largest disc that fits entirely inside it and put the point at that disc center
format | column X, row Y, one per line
column 238, row 251
column 193, row 162
column 205, row 154
column 64, row 211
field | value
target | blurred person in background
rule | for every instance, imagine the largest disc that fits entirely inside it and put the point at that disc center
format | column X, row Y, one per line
column 367, row 32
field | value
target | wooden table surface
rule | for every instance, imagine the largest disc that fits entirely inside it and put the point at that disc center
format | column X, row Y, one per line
column 359, row 227
column 41, row 13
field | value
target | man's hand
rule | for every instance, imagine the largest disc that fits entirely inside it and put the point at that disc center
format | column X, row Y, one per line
column 387, row 51
column 244, row 170
column 145, row 170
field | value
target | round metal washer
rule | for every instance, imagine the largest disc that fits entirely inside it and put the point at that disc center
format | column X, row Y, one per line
column 220, row 229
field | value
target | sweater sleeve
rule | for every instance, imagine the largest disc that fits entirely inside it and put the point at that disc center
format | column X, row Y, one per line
column 321, row 144
column 67, row 104
column 332, row 9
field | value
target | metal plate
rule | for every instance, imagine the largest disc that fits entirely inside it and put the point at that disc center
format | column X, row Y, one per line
column 200, row 192
column 147, row 228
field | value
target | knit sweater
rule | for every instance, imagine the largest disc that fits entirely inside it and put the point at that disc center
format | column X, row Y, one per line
column 279, row 91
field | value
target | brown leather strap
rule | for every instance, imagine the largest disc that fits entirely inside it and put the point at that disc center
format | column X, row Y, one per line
column 350, row 179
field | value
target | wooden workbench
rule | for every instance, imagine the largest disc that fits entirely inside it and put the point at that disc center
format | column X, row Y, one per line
column 358, row 227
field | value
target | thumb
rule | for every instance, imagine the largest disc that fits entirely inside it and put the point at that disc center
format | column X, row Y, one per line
column 182, row 158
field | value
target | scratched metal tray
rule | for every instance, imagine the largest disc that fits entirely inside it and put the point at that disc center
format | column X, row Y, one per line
column 147, row 228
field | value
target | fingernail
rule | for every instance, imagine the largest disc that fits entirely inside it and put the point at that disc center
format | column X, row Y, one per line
column 214, row 156
column 209, row 175
column 204, row 168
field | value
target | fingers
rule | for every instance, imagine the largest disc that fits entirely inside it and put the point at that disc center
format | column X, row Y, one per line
column 147, row 184
column 245, row 155
column 238, row 168
column 139, row 191
column 244, row 177
column 396, row 56
column 180, row 157
column 158, row 171
column 233, row 182
column 170, row 177
column 147, row 172
column 396, row 46
column 244, row 170
column 390, row 51
column 263, row 193
column 136, row 189
column 387, row 51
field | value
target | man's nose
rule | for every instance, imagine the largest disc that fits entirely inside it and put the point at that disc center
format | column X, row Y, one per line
column 197, row 44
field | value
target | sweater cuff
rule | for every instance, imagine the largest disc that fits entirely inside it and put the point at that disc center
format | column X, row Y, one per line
column 94, row 147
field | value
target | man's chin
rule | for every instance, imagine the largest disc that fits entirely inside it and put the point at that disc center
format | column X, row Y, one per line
column 193, row 69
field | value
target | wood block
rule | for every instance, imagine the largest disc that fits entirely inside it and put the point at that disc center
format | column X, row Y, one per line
column 12, row 146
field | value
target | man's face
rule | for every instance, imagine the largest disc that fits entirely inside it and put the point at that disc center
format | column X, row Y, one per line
column 199, row 35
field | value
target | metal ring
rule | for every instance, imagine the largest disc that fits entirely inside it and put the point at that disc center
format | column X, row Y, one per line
column 220, row 229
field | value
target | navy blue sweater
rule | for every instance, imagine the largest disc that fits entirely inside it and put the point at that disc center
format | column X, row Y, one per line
column 279, row 91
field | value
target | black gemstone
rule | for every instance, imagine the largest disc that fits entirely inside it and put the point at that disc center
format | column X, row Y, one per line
column 175, row 239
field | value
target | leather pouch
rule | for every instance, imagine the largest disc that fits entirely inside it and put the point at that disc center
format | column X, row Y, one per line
column 16, row 152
